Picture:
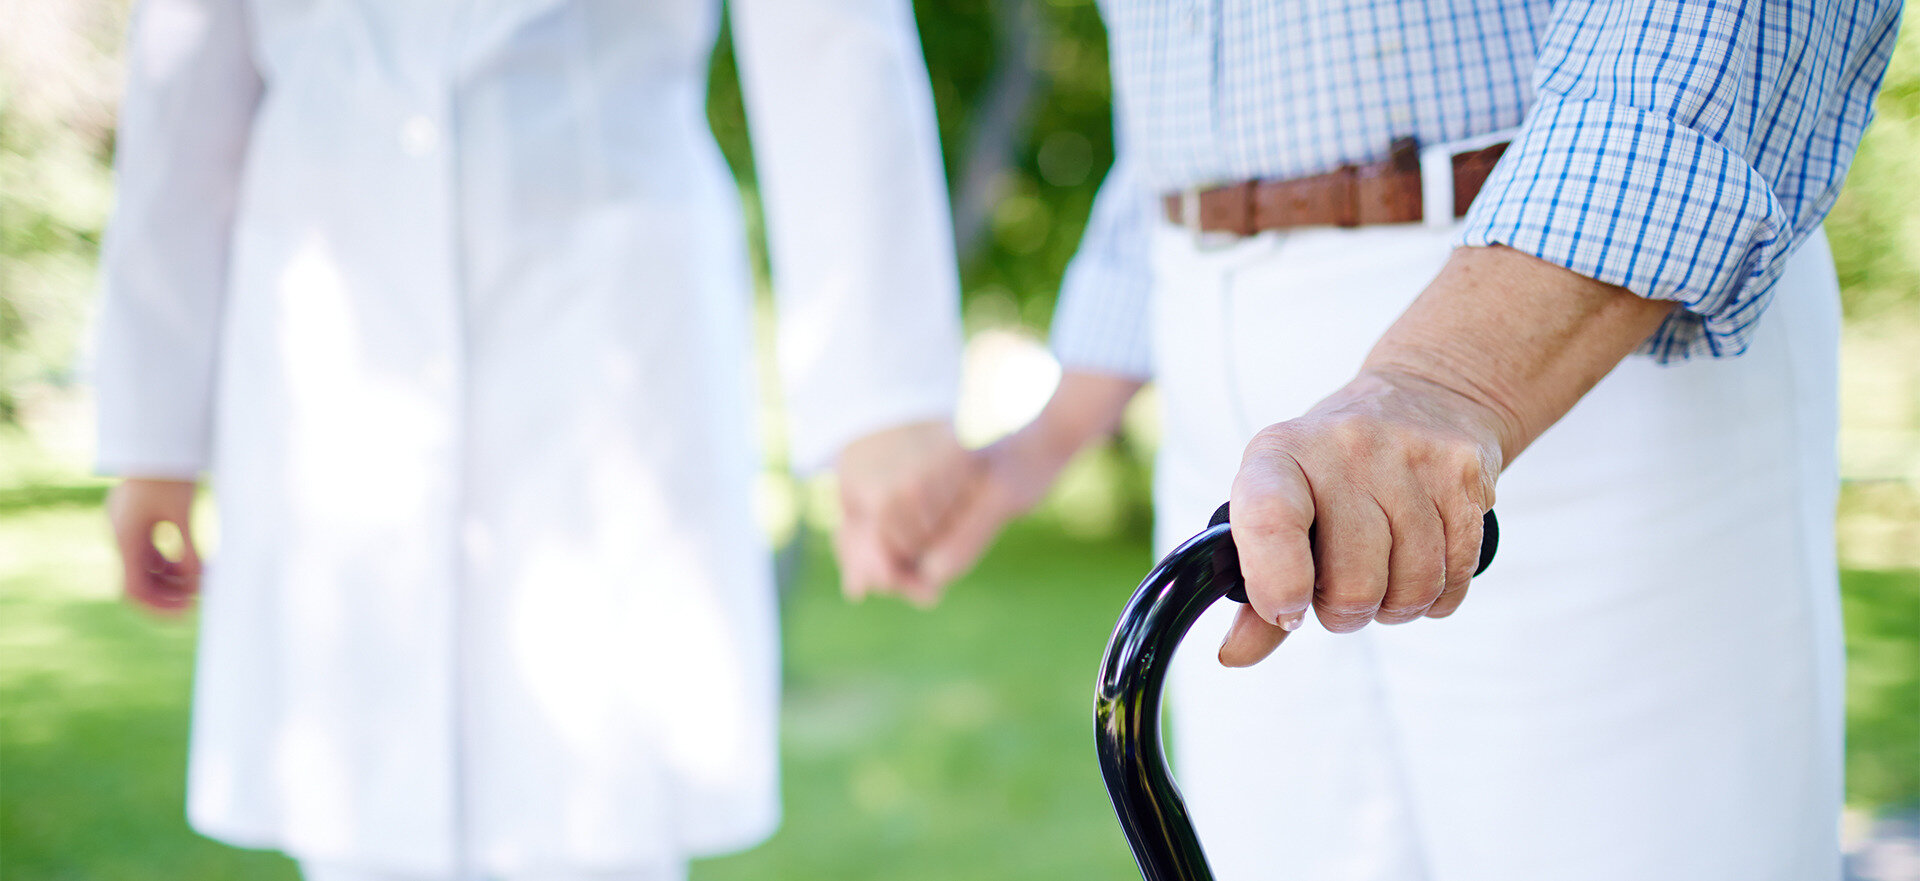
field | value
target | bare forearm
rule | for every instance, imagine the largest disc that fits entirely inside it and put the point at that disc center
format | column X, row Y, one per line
column 1084, row 408
column 1516, row 336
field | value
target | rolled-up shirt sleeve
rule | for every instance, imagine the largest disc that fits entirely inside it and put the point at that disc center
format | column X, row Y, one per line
column 185, row 121
column 1101, row 323
column 864, row 273
column 1683, row 150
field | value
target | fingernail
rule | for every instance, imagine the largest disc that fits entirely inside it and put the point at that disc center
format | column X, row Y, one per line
column 1293, row 622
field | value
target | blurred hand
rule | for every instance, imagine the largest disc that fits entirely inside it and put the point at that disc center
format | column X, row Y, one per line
column 151, row 580
column 1010, row 477
column 897, row 486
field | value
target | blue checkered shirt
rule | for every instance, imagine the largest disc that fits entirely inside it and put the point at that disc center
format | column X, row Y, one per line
column 1678, row 148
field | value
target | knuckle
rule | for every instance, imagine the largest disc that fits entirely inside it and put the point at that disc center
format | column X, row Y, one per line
column 1352, row 584
column 1271, row 599
column 1265, row 513
column 1461, row 455
column 1280, row 437
column 1353, row 436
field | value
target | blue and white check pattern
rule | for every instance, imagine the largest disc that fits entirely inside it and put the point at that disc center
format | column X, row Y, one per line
column 1679, row 148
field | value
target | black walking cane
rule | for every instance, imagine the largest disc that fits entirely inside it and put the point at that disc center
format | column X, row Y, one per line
column 1126, row 712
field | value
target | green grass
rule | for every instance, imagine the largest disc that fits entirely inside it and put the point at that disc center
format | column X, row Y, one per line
column 929, row 746
column 946, row 745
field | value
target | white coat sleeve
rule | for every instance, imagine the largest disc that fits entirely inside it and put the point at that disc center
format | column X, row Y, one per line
column 848, row 157
column 184, row 121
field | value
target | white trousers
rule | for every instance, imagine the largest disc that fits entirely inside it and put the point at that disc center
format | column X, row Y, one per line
column 676, row 871
column 1646, row 684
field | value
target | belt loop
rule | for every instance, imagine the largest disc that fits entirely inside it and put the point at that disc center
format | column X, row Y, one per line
column 1436, row 186
column 1436, row 173
column 1190, row 212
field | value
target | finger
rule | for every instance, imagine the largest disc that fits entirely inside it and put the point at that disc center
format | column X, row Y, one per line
column 950, row 491
column 878, row 568
column 1272, row 510
column 855, row 573
column 132, row 561
column 189, row 552
column 1351, row 544
column 966, row 537
column 182, row 574
column 920, row 592
column 905, row 522
column 1417, row 562
column 1463, row 525
column 1249, row 639
column 160, row 586
column 914, row 515
column 138, row 558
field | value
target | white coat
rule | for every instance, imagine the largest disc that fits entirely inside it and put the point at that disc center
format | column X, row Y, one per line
column 452, row 300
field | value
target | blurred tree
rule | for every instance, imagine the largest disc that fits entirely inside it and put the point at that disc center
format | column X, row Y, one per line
column 59, row 81
column 1875, row 225
column 1021, row 90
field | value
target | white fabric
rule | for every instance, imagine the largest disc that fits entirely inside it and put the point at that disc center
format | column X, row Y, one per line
column 1645, row 685
column 453, row 300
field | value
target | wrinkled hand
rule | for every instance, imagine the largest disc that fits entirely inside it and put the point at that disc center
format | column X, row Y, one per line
column 1395, row 470
column 151, row 580
column 1394, row 473
column 897, row 488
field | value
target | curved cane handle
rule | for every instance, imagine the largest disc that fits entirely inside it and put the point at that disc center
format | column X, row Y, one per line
column 1126, row 713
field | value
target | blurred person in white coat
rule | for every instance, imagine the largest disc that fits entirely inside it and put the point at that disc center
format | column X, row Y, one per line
column 451, row 301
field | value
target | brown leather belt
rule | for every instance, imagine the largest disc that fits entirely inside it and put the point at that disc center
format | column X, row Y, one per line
column 1352, row 195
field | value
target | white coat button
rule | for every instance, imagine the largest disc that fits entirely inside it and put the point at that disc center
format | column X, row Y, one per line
column 419, row 136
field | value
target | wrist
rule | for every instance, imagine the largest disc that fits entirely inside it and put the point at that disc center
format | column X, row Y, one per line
column 1045, row 445
column 1516, row 339
column 1084, row 408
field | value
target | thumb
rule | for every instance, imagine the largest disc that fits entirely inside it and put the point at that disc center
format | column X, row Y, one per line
column 182, row 520
column 1250, row 639
column 965, row 539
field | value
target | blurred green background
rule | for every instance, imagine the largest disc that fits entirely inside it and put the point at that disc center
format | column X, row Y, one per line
column 928, row 746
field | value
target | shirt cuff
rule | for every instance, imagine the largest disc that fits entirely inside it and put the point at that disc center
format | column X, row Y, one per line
column 133, row 462
column 1632, row 198
column 1100, row 324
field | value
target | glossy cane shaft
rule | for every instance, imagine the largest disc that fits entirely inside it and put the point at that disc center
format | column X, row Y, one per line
column 1127, row 707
